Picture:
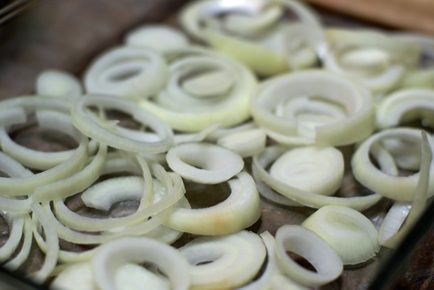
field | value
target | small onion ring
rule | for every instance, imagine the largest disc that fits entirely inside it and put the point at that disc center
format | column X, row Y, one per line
column 219, row 165
column 89, row 127
column 111, row 256
column 58, row 83
column 129, row 72
column 234, row 260
column 314, row 249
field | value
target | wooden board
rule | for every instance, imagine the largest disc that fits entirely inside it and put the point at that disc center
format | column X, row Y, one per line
column 413, row 15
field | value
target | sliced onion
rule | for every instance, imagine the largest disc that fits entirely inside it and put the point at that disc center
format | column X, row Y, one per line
column 271, row 269
column 87, row 125
column 156, row 37
column 113, row 255
column 22, row 256
column 129, row 72
column 310, row 246
column 246, row 143
column 233, row 260
column 58, row 84
column 419, row 199
column 317, row 170
column 405, row 106
column 395, row 187
column 219, row 165
column 348, row 232
column 240, row 210
column 195, row 96
column 301, row 196
column 128, row 277
column 358, row 124
column 75, row 183
column 52, row 244
column 16, row 223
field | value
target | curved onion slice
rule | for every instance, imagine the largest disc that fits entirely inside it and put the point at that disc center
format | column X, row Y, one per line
column 128, row 277
column 16, row 262
column 113, row 255
column 52, row 244
column 395, row 187
column 188, row 160
column 233, row 260
column 257, row 36
column 348, row 232
column 129, row 72
column 16, row 224
column 355, row 99
column 38, row 159
column 156, row 37
column 406, row 106
column 203, row 87
column 271, row 268
column 87, row 125
column 389, row 235
column 317, row 170
column 74, row 183
column 314, row 249
column 301, row 196
column 246, row 143
column 58, row 84
column 240, row 210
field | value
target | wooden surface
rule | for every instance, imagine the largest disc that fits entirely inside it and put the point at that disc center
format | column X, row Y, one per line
column 413, row 15
column 67, row 35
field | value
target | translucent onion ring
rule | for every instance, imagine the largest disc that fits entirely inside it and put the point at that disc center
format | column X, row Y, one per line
column 358, row 104
column 239, row 211
column 395, row 187
column 234, row 260
column 19, row 259
column 60, row 84
column 230, row 107
column 16, row 224
column 246, row 143
column 405, row 106
column 219, row 165
column 314, row 249
column 129, row 72
column 111, row 256
column 306, row 198
column 348, row 232
column 85, row 123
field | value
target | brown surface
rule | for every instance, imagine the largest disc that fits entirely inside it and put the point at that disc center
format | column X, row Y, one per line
column 67, row 35
column 415, row 15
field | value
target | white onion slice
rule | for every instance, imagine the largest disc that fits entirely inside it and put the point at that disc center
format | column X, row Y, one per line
column 74, row 183
column 393, row 220
column 417, row 206
column 16, row 262
column 358, row 124
column 87, row 125
column 195, row 96
column 405, row 106
column 314, row 249
column 246, row 143
column 348, row 232
column 58, row 84
column 317, row 170
column 52, row 244
column 113, row 255
column 233, row 260
column 240, row 210
column 16, row 224
column 128, row 277
column 395, row 187
column 304, row 197
column 129, row 72
column 156, row 37
column 188, row 160
column 271, row 269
